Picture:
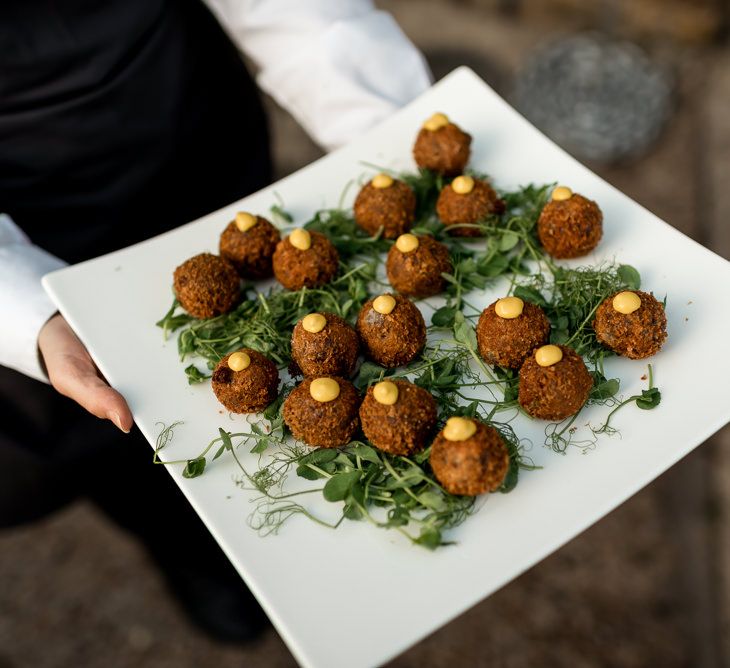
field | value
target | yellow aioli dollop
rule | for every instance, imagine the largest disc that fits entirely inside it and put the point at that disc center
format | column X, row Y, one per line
column 562, row 193
column 239, row 361
column 462, row 185
column 626, row 302
column 324, row 389
column 384, row 304
column 245, row 221
column 314, row 323
column 436, row 122
column 509, row 307
column 459, row 429
column 548, row 355
column 407, row 243
column 385, row 392
column 301, row 239
column 381, row 181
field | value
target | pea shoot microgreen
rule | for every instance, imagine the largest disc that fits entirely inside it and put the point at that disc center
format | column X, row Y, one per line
column 570, row 298
column 387, row 491
column 391, row 492
column 349, row 239
column 649, row 398
column 263, row 321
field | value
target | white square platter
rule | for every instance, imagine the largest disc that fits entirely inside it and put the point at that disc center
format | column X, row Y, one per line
column 358, row 596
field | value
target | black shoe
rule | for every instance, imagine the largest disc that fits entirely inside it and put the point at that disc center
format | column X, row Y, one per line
column 216, row 600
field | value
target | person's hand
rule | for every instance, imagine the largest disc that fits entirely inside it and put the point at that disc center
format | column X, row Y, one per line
column 73, row 373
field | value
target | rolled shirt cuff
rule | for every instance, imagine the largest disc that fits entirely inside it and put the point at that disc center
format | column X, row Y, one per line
column 24, row 305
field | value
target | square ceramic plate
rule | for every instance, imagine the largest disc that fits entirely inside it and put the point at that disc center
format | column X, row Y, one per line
column 371, row 591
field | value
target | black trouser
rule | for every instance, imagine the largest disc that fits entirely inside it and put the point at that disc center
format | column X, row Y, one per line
column 52, row 452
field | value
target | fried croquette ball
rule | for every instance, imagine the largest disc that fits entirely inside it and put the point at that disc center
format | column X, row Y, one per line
column 469, row 457
column 385, row 203
column 206, row 285
column 467, row 201
column 398, row 417
column 416, row 264
column 631, row 323
column 554, row 383
column 248, row 243
column 509, row 330
column 305, row 259
column 442, row 146
column 323, row 344
column 392, row 330
column 245, row 381
column 322, row 411
column 569, row 225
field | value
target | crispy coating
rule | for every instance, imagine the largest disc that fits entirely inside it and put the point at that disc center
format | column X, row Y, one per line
column 392, row 208
column 331, row 352
column 635, row 335
column 250, row 252
column 445, row 151
column 570, row 228
column 250, row 390
column 507, row 342
column 394, row 339
column 455, row 209
column 418, row 273
column 404, row 427
column 554, row 392
column 296, row 269
column 322, row 424
column 206, row 285
column 474, row 466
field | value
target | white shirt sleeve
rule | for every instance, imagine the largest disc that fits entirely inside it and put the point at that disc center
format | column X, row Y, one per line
column 24, row 305
column 338, row 66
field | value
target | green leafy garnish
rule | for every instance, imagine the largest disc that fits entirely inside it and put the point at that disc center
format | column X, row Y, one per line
column 194, row 467
column 570, row 298
column 349, row 239
column 195, row 375
column 393, row 492
column 264, row 322
column 649, row 398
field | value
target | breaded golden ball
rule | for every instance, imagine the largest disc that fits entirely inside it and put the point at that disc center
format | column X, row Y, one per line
column 418, row 273
column 554, row 392
column 403, row 427
column 395, row 338
column 317, row 265
column 250, row 252
column 330, row 351
column 444, row 151
column 507, row 342
column 468, row 209
column 570, row 227
column 206, row 285
column 635, row 335
column 472, row 466
column 249, row 390
column 327, row 424
column 393, row 208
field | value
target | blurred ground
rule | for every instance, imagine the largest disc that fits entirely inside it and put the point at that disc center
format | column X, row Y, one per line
column 647, row 586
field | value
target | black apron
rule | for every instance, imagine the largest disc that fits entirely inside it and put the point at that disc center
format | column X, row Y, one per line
column 118, row 120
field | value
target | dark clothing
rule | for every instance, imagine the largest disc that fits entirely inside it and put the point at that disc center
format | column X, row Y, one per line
column 121, row 119
column 52, row 452
column 118, row 120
